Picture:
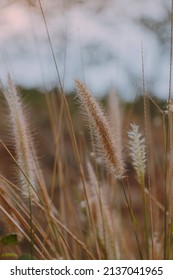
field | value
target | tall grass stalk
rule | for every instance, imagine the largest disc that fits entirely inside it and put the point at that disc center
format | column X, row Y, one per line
column 150, row 170
column 24, row 148
column 169, row 160
column 138, row 154
column 65, row 103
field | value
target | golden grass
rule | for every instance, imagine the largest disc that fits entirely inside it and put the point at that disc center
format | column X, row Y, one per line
column 107, row 196
column 104, row 214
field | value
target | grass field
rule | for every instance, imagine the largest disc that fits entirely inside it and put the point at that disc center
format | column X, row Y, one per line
column 94, row 184
column 82, row 178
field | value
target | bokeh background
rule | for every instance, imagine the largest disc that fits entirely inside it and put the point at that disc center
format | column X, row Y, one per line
column 96, row 41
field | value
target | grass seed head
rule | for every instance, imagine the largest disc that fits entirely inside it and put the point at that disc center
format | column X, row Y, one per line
column 110, row 152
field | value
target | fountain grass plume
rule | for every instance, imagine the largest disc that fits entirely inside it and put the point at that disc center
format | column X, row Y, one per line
column 24, row 147
column 137, row 149
column 109, row 151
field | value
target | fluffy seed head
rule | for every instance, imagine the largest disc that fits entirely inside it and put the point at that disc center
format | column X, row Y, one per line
column 137, row 149
column 22, row 139
column 109, row 151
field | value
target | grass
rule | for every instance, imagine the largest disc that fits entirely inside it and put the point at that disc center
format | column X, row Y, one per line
column 70, row 191
column 63, row 214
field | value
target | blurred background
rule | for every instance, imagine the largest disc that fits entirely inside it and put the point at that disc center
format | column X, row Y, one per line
column 97, row 41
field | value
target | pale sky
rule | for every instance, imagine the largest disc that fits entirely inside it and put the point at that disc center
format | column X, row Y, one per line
column 101, row 46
